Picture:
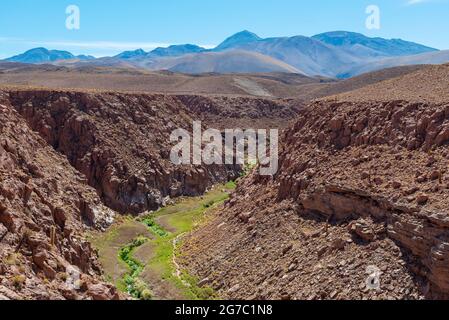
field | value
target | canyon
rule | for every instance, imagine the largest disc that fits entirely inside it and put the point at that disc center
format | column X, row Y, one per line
column 362, row 184
column 72, row 162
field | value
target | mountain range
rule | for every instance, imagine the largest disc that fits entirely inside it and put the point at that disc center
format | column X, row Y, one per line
column 337, row 54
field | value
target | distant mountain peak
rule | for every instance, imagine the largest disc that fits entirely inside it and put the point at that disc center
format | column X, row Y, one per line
column 338, row 33
column 85, row 57
column 246, row 33
column 241, row 37
column 131, row 54
column 41, row 55
column 339, row 38
column 177, row 50
column 39, row 49
column 386, row 47
column 139, row 51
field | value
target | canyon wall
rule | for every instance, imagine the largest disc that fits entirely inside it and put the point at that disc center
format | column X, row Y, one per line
column 361, row 184
column 45, row 209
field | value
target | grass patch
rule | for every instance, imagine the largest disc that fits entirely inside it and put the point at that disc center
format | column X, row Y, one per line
column 163, row 265
column 109, row 244
column 231, row 185
column 200, row 293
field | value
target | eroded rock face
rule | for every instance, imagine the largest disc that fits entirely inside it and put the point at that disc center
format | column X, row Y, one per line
column 396, row 173
column 121, row 143
column 45, row 210
column 360, row 185
column 241, row 112
column 395, row 157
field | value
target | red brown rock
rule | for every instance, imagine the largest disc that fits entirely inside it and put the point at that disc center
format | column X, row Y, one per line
column 41, row 192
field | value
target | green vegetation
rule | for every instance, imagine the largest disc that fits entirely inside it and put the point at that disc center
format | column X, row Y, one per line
column 231, row 185
column 182, row 218
column 135, row 286
column 165, row 229
column 154, row 227
column 200, row 293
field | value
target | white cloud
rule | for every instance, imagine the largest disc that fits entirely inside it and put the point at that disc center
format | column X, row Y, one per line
column 414, row 2
column 100, row 44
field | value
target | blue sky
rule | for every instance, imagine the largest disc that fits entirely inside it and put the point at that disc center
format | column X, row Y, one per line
column 112, row 26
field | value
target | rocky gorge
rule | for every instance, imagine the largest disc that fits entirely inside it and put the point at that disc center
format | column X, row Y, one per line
column 71, row 161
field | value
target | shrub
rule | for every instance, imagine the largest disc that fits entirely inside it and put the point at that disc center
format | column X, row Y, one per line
column 18, row 281
column 154, row 227
column 146, row 295
column 13, row 259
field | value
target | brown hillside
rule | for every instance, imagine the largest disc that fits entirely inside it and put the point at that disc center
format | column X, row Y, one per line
column 41, row 195
column 363, row 183
column 430, row 83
